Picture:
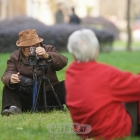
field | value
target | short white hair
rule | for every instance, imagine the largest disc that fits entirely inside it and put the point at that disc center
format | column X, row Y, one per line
column 83, row 44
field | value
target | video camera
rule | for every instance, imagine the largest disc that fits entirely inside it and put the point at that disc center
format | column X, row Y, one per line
column 33, row 59
column 36, row 61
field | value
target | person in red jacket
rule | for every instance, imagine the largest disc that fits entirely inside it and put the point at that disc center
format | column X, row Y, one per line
column 102, row 100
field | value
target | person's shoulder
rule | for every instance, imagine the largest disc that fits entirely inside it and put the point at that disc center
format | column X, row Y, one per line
column 15, row 54
column 48, row 47
column 109, row 67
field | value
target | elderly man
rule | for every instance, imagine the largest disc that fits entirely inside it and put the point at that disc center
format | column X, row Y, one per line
column 102, row 99
column 15, row 101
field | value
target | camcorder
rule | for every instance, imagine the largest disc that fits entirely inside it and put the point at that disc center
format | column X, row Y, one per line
column 33, row 59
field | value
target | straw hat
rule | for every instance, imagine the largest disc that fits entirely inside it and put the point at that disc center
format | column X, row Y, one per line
column 28, row 38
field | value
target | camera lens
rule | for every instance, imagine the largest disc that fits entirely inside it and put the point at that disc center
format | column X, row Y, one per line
column 32, row 51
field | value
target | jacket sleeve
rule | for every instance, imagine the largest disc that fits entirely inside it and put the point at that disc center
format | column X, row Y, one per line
column 125, row 86
column 58, row 61
column 10, row 69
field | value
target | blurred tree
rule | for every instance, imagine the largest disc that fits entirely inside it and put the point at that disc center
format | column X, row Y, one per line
column 129, row 30
column 136, row 9
column 52, row 4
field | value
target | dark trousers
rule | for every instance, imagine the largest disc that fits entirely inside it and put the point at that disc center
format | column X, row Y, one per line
column 132, row 109
column 24, row 100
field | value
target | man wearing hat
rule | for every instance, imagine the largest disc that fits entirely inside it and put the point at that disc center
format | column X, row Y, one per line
column 15, row 101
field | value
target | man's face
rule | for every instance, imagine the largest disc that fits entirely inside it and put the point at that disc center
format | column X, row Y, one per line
column 26, row 50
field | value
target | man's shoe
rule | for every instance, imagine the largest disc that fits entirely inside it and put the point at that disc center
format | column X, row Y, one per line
column 11, row 111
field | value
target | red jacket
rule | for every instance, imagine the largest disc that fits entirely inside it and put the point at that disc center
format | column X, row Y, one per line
column 95, row 96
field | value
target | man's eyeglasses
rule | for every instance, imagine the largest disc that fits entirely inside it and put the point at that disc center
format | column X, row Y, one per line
column 28, row 47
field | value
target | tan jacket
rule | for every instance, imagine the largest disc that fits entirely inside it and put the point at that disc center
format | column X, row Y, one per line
column 18, row 63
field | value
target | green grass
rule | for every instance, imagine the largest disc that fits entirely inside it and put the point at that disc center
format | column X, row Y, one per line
column 123, row 43
column 36, row 126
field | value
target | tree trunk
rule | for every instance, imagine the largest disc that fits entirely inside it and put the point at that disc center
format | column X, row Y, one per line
column 129, row 32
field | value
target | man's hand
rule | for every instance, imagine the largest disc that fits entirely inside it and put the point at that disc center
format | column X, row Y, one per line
column 15, row 78
column 41, row 52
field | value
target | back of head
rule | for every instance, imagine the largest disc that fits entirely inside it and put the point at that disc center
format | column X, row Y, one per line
column 84, row 45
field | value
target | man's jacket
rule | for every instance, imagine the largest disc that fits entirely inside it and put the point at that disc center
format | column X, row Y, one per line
column 18, row 63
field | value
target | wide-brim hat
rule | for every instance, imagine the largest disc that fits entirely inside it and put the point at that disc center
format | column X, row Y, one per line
column 28, row 38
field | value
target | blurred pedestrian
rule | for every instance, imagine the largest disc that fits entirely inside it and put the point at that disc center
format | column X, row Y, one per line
column 61, row 14
column 74, row 19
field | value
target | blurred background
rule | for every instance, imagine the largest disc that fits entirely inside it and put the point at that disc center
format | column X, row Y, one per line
column 115, row 23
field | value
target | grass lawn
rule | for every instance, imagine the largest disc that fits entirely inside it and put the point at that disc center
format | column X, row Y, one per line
column 123, row 43
column 57, row 124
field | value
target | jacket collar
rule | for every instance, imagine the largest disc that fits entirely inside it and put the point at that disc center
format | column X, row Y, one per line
column 22, row 57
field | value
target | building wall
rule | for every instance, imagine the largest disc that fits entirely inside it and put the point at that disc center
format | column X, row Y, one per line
column 118, row 8
column 40, row 10
column 9, row 8
column 87, row 7
column 43, row 11
column 16, row 7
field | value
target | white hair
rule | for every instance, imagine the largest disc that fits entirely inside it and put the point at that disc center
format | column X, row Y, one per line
column 83, row 44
